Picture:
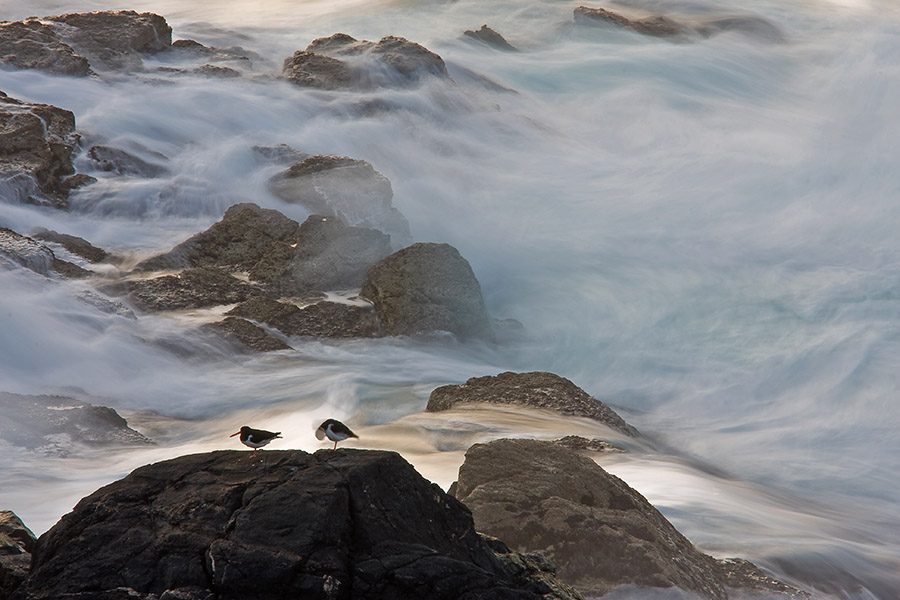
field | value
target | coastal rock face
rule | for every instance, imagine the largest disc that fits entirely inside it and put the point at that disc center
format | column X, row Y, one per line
column 16, row 544
column 536, row 389
column 538, row 496
column 51, row 423
column 427, row 287
column 36, row 146
column 321, row 319
column 243, row 236
column 347, row 188
column 17, row 250
column 343, row 62
column 324, row 254
column 35, row 45
column 360, row 524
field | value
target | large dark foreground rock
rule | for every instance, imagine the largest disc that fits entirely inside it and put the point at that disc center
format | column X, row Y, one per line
column 601, row 533
column 334, row 525
column 537, row 389
column 16, row 544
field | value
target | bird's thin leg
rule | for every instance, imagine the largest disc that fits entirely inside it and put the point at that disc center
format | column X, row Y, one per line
column 335, row 445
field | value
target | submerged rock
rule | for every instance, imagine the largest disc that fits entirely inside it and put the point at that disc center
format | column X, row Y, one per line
column 342, row 62
column 536, row 389
column 247, row 334
column 362, row 525
column 37, row 142
column 16, row 544
column 51, row 423
column 320, row 319
column 74, row 244
column 17, row 250
column 200, row 287
column 488, row 36
column 120, row 162
column 427, row 287
column 347, row 188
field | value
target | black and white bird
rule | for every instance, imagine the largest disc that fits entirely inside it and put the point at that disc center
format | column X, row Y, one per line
column 335, row 431
column 255, row 438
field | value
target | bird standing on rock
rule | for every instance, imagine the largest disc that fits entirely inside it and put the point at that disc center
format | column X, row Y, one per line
column 335, row 431
column 255, row 438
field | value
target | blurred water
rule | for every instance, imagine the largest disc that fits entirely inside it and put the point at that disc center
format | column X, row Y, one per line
column 701, row 234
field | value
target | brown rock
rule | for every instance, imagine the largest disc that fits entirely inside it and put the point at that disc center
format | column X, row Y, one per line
column 658, row 26
column 536, row 389
column 488, row 36
column 321, row 319
column 35, row 45
column 199, row 287
column 16, row 544
column 73, row 244
column 19, row 250
column 247, row 334
column 308, row 69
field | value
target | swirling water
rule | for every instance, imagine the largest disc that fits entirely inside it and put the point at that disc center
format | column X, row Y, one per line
column 701, row 234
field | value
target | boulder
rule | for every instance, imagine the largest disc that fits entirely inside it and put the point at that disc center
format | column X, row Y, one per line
column 321, row 319
column 120, row 162
column 361, row 525
column 74, row 244
column 427, row 287
column 34, row 45
column 53, row 423
column 347, row 188
column 488, row 36
column 341, row 62
column 36, row 146
column 541, row 497
column 324, row 254
column 280, row 154
column 536, row 389
column 243, row 236
column 201, row 287
column 16, row 544
column 250, row 336
column 17, row 250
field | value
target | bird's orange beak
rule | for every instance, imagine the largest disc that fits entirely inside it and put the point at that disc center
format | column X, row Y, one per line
column 234, row 434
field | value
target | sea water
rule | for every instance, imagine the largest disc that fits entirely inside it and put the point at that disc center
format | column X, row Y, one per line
column 701, row 234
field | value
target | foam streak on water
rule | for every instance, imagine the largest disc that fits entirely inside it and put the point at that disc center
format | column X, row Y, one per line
column 702, row 234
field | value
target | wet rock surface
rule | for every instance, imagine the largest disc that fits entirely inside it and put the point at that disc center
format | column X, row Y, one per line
column 536, row 389
column 250, row 336
column 16, row 544
column 427, row 287
column 362, row 525
column 17, row 250
column 120, row 162
column 320, row 319
column 200, row 287
column 35, row 45
column 74, row 244
column 488, row 36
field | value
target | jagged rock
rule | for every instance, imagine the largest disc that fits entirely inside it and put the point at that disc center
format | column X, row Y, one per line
column 427, row 287
column 36, row 146
column 657, row 26
column 361, row 524
column 16, row 544
column 243, row 236
column 345, row 187
column 51, row 423
column 540, row 497
column 324, row 254
column 18, row 250
column 247, row 334
column 73, row 244
column 488, row 36
column 537, row 389
column 321, row 319
column 747, row 581
column 114, row 39
column 34, row 45
column 281, row 154
column 199, row 287
column 342, row 62
column 121, row 162
column 582, row 444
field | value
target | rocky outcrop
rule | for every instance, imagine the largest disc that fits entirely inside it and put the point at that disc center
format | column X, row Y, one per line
column 74, row 244
column 320, row 319
column 201, row 287
column 361, row 525
column 342, row 62
column 344, row 187
column 488, row 36
column 324, row 254
column 250, row 336
column 682, row 29
column 17, row 250
column 37, row 142
column 536, row 389
column 16, row 544
column 427, row 287
column 32, row 44
column 243, row 236
column 540, row 497
column 52, row 423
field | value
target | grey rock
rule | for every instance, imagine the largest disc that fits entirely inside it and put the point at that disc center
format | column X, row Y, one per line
column 243, row 236
column 745, row 580
column 361, row 525
column 321, row 319
column 34, row 45
column 120, row 162
column 488, row 36
column 37, row 142
column 17, row 250
column 345, row 187
column 74, row 244
column 600, row 533
column 427, row 287
column 200, row 287
column 324, row 254
column 248, row 335
column 537, row 389
column 308, row 69
column 582, row 444
column 16, row 544
column 281, row 154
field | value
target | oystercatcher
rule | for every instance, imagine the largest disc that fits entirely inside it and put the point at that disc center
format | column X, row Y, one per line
column 255, row 438
column 335, row 431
